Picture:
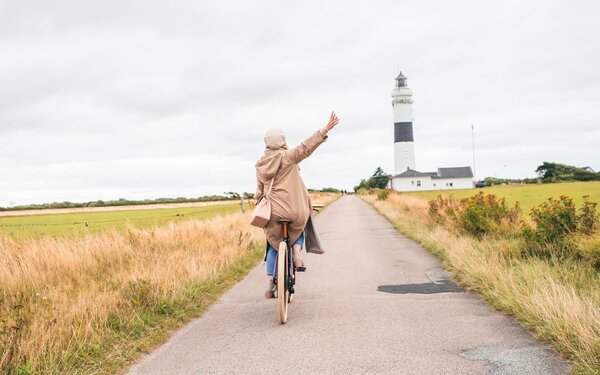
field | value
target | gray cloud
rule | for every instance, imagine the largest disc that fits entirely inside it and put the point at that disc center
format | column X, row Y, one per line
column 141, row 99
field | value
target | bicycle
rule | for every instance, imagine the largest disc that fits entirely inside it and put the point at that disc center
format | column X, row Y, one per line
column 284, row 275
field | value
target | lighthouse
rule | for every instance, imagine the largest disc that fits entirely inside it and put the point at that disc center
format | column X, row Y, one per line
column 404, row 146
column 406, row 177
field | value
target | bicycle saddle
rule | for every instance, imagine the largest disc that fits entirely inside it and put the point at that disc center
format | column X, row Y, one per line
column 281, row 221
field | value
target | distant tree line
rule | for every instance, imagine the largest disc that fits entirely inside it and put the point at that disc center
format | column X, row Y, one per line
column 123, row 202
column 325, row 190
column 551, row 172
column 555, row 172
column 491, row 181
column 227, row 196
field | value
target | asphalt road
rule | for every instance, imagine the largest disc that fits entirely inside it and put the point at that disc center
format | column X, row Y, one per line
column 374, row 303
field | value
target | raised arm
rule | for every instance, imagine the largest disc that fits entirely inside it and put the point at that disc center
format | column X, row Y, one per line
column 309, row 145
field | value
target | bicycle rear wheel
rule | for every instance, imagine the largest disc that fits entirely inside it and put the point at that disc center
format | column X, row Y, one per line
column 282, row 287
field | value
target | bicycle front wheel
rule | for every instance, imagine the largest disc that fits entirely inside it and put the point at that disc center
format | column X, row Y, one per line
column 282, row 287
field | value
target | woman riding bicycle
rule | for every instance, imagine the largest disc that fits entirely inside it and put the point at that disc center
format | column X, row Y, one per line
column 289, row 197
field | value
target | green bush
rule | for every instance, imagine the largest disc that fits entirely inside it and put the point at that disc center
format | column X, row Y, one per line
column 484, row 214
column 558, row 226
column 554, row 220
column 383, row 195
column 587, row 220
column 558, row 229
column 440, row 208
column 479, row 215
column 362, row 191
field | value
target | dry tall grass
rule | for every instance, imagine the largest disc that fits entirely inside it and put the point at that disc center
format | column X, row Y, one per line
column 558, row 301
column 85, row 305
column 323, row 198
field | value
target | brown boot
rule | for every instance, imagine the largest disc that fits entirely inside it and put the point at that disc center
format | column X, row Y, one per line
column 270, row 293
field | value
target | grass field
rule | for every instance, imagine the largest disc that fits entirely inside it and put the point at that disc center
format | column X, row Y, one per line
column 81, row 223
column 527, row 195
column 74, row 224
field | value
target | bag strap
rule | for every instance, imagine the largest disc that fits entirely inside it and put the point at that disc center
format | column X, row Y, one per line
column 271, row 187
column 272, row 181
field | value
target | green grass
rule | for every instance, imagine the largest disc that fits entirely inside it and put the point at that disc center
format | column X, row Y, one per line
column 81, row 223
column 528, row 195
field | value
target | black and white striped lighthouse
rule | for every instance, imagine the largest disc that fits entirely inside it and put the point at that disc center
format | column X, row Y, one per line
column 404, row 146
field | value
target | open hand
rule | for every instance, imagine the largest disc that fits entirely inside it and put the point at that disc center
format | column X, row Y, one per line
column 333, row 121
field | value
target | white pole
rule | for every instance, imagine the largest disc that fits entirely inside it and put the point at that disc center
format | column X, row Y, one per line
column 473, row 139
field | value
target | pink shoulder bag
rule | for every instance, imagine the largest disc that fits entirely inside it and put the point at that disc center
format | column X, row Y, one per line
column 262, row 211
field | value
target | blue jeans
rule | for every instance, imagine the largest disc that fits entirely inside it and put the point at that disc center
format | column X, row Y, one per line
column 272, row 254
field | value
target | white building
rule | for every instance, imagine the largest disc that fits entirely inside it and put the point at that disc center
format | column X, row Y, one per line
column 443, row 179
column 406, row 177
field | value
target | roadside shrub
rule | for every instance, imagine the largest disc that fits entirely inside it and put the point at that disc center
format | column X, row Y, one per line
column 484, row 214
column 440, row 208
column 557, row 226
column 587, row 221
column 557, row 229
column 383, row 195
column 361, row 191
column 479, row 215
column 554, row 220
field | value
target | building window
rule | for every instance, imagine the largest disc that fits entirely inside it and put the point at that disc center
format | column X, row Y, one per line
column 433, row 185
column 412, row 182
column 451, row 184
column 418, row 183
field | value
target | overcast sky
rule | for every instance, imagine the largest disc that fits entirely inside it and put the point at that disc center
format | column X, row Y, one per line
column 146, row 99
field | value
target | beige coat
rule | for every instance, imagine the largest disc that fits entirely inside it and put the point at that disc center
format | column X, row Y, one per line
column 289, row 197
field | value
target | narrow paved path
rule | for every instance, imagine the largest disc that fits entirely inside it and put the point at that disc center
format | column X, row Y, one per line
column 375, row 303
